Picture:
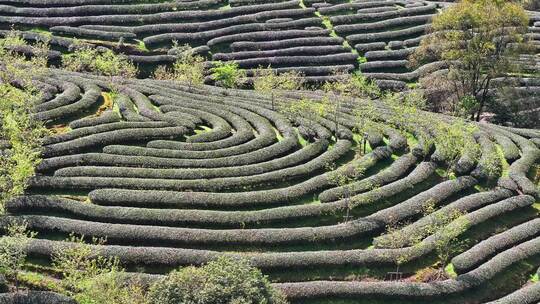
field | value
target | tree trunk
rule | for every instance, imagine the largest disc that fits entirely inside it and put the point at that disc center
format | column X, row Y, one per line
column 480, row 108
column 364, row 142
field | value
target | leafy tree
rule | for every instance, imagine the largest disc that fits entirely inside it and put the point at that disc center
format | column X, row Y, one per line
column 225, row 280
column 345, row 85
column 78, row 262
column 98, row 61
column 188, row 68
column 445, row 227
column 12, row 249
column 306, row 108
column 405, row 112
column 453, row 140
column 112, row 287
column 351, row 85
column 20, row 134
column 395, row 238
column 365, row 114
column 340, row 178
column 92, row 278
column 333, row 102
column 227, row 74
column 448, row 227
column 477, row 40
column 268, row 81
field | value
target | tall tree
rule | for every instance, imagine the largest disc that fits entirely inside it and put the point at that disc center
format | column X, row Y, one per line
column 188, row 68
column 20, row 134
column 268, row 81
column 478, row 41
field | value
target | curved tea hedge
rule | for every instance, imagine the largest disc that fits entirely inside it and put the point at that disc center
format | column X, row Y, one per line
column 35, row 297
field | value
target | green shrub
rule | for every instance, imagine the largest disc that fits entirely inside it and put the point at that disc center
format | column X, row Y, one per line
column 12, row 249
column 268, row 81
column 91, row 278
column 78, row 263
column 223, row 281
column 188, row 68
column 111, row 288
column 227, row 74
column 101, row 62
column 19, row 132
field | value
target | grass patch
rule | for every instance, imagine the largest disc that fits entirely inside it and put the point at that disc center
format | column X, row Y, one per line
column 537, row 206
column 116, row 109
column 278, row 134
column 141, row 45
column 202, row 129
column 303, row 142
column 412, row 85
column 108, row 103
column 41, row 30
column 449, row 269
column 443, row 172
column 38, row 281
column 59, row 129
column 504, row 163
column 411, row 140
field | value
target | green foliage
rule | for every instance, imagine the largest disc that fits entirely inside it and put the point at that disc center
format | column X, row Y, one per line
column 141, row 45
column 112, row 288
column 478, row 41
column 223, row 281
column 227, row 74
column 12, row 249
column 492, row 163
column 535, row 278
column 453, row 140
column 352, row 85
column 79, row 263
column 467, row 104
column 405, row 113
column 394, row 237
column 268, row 81
column 450, row 271
column 188, row 68
column 450, row 225
column 91, row 278
column 21, row 135
column 305, row 107
column 365, row 114
column 39, row 281
column 98, row 61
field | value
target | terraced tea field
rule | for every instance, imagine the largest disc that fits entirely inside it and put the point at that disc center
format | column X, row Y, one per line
column 174, row 175
column 307, row 36
column 173, row 178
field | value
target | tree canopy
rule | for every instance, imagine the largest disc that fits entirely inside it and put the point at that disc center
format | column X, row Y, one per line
column 478, row 41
